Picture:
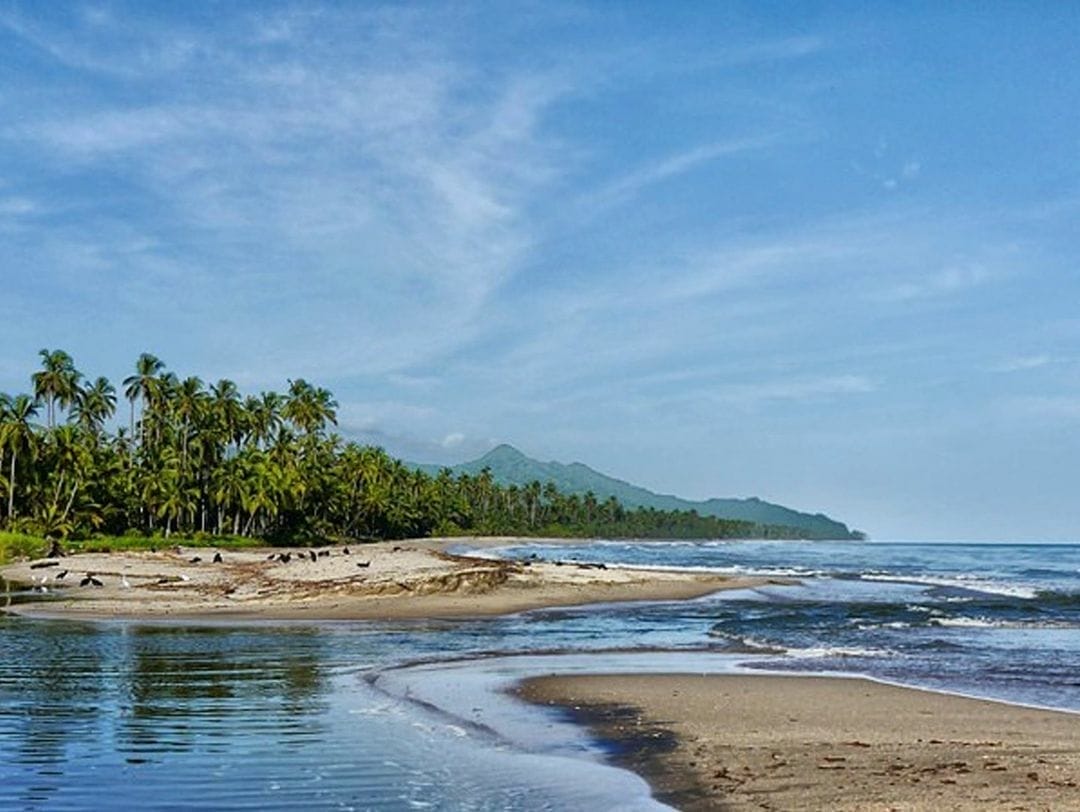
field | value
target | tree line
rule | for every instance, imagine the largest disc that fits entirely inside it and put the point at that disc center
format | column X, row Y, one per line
column 205, row 459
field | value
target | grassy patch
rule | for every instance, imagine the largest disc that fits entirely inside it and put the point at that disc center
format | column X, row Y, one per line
column 14, row 546
column 115, row 544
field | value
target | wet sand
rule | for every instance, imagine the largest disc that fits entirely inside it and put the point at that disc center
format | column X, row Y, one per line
column 793, row 743
column 387, row 580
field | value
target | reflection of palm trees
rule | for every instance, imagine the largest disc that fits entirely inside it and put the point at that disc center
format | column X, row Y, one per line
column 184, row 681
column 58, row 701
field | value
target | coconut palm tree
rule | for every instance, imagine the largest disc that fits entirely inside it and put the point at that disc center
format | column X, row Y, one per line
column 19, row 435
column 228, row 410
column 57, row 382
column 141, row 384
column 309, row 408
column 5, row 414
column 95, row 405
column 190, row 400
column 264, row 417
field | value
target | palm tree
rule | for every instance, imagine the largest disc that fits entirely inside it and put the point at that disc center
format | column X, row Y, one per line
column 69, row 460
column 228, row 410
column 264, row 417
column 5, row 416
column 309, row 408
column 141, row 384
column 18, row 434
column 95, row 405
column 190, row 398
column 56, row 382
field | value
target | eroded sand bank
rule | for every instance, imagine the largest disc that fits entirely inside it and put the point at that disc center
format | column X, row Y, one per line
column 370, row 581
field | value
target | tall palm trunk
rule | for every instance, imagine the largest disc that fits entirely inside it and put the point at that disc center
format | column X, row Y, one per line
column 11, row 485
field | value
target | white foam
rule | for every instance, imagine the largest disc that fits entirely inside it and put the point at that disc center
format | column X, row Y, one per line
column 973, row 583
column 815, row 652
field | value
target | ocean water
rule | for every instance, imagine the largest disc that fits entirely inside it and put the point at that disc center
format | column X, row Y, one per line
column 414, row 715
column 992, row 620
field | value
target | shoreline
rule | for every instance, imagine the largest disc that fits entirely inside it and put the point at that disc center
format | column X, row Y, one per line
column 804, row 741
column 416, row 579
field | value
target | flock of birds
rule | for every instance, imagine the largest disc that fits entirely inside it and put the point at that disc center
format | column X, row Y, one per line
column 91, row 579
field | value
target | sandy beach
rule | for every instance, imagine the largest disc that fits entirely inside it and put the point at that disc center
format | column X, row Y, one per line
column 409, row 579
column 786, row 743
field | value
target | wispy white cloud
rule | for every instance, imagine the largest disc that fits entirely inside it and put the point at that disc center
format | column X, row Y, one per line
column 1056, row 408
column 798, row 389
column 18, row 206
column 950, row 280
column 1020, row 363
column 453, row 440
column 630, row 185
column 394, row 183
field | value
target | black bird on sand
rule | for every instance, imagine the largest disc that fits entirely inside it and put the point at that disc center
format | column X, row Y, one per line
column 196, row 560
column 363, row 564
column 345, row 551
column 217, row 558
column 90, row 580
column 60, row 576
column 312, row 554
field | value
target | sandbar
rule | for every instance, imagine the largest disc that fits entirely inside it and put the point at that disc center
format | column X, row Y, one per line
column 384, row 580
column 778, row 742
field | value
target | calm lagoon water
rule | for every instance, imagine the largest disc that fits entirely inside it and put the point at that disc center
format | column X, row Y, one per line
column 412, row 715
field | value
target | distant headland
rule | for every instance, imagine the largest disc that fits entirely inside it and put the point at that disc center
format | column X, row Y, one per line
column 509, row 466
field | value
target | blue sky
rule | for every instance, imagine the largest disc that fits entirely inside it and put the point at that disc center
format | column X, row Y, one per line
column 821, row 254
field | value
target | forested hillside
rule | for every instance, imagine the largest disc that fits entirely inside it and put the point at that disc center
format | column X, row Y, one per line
column 509, row 466
column 189, row 458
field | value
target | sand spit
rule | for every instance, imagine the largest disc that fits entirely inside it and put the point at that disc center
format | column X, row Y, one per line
column 786, row 743
column 412, row 579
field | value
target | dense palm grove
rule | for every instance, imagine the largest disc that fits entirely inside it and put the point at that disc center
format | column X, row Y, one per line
column 198, row 459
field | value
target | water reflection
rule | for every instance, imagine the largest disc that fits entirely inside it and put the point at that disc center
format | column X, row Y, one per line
column 190, row 686
column 51, row 689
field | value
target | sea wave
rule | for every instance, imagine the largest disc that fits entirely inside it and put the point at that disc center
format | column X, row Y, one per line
column 968, row 583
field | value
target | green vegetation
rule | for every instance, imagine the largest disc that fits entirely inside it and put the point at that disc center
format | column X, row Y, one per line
column 509, row 466
column 14, row 546
column 17, row 545
column 214, row 466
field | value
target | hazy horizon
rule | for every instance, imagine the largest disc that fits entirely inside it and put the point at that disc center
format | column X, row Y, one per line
column 818, row 254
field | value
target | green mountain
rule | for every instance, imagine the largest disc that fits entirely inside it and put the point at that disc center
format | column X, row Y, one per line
column 509, row 466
